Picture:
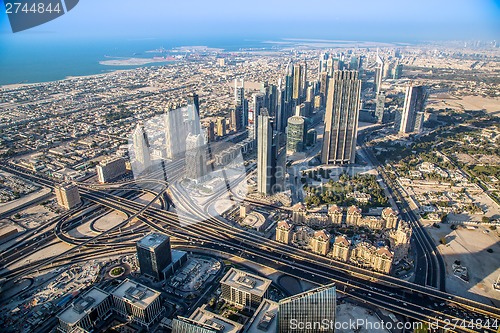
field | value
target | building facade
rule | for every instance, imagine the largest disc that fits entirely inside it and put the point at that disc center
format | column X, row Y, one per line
column 244, row 289
column 110, row 168
column 67, row 195
column 154, row 254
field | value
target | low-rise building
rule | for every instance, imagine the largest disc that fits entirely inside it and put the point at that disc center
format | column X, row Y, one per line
column 244, row 289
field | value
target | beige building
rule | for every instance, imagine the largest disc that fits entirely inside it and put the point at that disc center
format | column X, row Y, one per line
column 371, row 222
column 110, row 168
column 335, row 214
column 400, row 240
column 302, row 236
column 320, row 242
column 299, row 212
column 353, row 216
column 284, row 232
column 366, row 255
column 244, row 289
column 390, row 217
column 382, row 260
column 341, row 248
column 67, row 195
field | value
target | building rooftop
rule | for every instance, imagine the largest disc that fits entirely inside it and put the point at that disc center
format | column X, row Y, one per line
column 135, row 293
column 265, row 318
column 219, row 323
column 152, row 241
column 83, row 305
column 246, row 281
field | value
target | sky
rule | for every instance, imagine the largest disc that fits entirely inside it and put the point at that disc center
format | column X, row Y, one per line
column 383, row 20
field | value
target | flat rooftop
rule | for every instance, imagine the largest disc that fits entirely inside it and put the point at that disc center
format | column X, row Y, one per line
column 265, row 318
column 152, row 240
column 219, row 323
column 83, row 305
column 135, row 293
column 246, row 281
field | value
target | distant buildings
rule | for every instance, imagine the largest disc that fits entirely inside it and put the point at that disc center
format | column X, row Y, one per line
column 137, row 302
column 175, row 133
column 380, row 108
column 341, row 118
column 67, row 195
column 196, row 159
column 311, row 309
column 296, row 133
column 110, row 168
column 154, row 254
column 413, row 109
column 244, row 289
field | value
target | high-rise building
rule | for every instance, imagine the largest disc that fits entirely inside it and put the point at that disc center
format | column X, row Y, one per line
column 193, row 114
column 110, row 168
column 398, row 71
column 221, row 126
column 341, row 118
column 296, row 131
column 257, row 105
column 196, row 157
column 323, row 59
column 379, row 73
column 314, row 309
column 297, row 77
column 175, row 134
column 241, row 105
column 141, row 148
column 154, row 254
column 244, row 289
column 414, row 104
column 67, row 195
column 137, row 303
column 380, row 108
column 271, row 156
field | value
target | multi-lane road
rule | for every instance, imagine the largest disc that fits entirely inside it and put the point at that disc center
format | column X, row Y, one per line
column 210, row 233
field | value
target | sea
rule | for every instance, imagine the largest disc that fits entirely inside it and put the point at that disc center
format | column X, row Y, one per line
column 31, row 60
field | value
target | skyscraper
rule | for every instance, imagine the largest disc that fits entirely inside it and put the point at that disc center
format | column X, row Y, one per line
column 341, row 118
column 380, row 107
column 297, row 84
column 414, row 104
column 154, row 254
column 295, row 134
column 314, row 310
column 141, row 148
column 323, row 59
column 175, row 134
column 196, row 158
column 241, row 105
column 193, row 114
column 270, row 156
column 379, row 73
column 257, row 105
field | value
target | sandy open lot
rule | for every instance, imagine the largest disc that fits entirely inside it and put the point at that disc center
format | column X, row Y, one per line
column 489, row 104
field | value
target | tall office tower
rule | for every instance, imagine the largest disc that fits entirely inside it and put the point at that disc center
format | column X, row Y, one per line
column 67, row 195
column 196, row 157
column 265, row 156
column 154, row 254
column 297, row 84
column 303, row 80
column 354, row 63
column 329, row 66
column 221, row 126
column 310, row 309
column 398, row 114
column 398, row 71
column 257, row 105
column 310, row 94
column 175, row 134
column 414, row 103
column 110, row 168
column 193, row 114
column 141, row 148
column 341, row 118
column 210, row 131
column 271, row 157
column 380, row 108
column 323, row 87
column 241, row 104
column 379, row 73
column 323, row 59
column 281, row 112
column 296, row 131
